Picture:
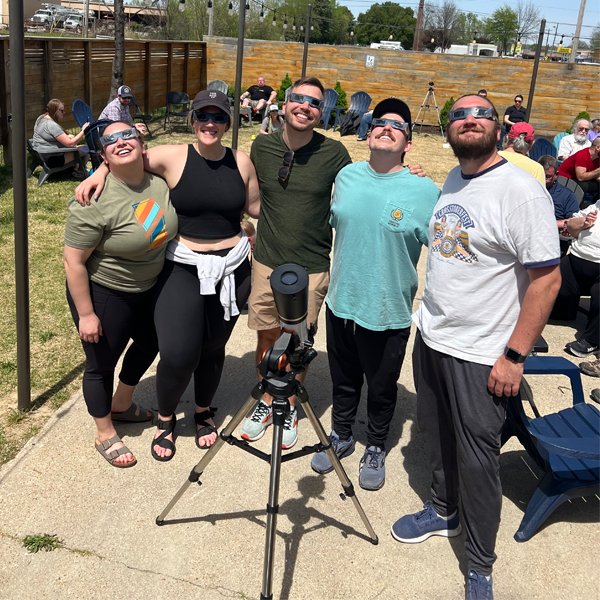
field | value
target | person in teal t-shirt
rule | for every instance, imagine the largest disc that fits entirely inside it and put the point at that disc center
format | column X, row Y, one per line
column 380, row 213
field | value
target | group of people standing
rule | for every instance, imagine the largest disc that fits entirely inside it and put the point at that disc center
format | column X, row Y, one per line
column 492, row 276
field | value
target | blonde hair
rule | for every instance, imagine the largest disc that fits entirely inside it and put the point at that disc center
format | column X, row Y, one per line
column 52, row 108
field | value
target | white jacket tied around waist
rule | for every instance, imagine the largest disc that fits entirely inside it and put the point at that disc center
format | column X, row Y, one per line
column 212, row 269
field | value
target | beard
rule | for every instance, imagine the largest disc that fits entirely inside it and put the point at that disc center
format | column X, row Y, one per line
column 471, row 149
column 580, row 137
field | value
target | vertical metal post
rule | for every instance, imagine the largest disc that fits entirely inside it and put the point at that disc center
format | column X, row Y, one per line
column 211, row 15
column 536, row 64
column 238, row 74
column 306, row 36
column 86, row 17
column 17, row 84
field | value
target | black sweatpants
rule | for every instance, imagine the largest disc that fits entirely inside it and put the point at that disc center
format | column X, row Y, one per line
column 580, row 277
column 192, row 333
column 462, row 424
column 124, row 316
column 354, row 352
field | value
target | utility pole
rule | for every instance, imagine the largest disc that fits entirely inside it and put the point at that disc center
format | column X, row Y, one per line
column 536, row 64
column 306, row 36
column 419, row 27
column 554, row 39
column 577, row 34
column 86, row 16
column 211, row 14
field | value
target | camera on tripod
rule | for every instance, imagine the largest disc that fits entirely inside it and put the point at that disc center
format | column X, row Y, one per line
column 431, row 84
column 294, row 347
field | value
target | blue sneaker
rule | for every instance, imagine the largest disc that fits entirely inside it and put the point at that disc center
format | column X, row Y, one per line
column 320, row 461
column 420, row 526
column 372, row 469
column 479, row 587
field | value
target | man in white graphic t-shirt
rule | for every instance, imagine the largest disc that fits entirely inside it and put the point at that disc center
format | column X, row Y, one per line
column 492, row 276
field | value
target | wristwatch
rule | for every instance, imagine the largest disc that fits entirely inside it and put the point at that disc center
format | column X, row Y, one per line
column 514, row 356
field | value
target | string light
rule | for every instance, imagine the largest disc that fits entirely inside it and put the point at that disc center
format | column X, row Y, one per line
column 261, row 18
column 209, row 7
column 181, row 5
column 285, row 21
column 294, row 25
column 230, row 9
column 274, row 18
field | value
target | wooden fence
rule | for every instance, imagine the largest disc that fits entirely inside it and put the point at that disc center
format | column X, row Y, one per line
column 560, row 93
column 71, row 69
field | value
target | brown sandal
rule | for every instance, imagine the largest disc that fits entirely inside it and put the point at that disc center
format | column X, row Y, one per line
column 129, row 415
column 102, row 447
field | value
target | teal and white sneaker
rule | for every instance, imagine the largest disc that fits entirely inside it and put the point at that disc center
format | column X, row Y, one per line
column 256, row 424
column 290, row 430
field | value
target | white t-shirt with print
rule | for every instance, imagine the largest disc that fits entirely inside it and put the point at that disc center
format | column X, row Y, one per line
column 486, row 231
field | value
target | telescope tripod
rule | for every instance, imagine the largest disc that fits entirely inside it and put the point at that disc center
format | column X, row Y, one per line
column 281, row 385
column 429, row 96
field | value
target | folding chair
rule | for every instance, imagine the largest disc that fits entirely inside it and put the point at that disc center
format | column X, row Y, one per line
column 38, row 160
column 176, row 98
column 138, row 115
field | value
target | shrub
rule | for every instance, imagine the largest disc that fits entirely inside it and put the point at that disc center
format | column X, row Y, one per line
column 444, row 112
column 341, row 101
column 285, row 84
column 582, row 115
column 231, row 90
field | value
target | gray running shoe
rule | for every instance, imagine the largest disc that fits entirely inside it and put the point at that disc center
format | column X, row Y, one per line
column 372, row 469
column 320, row 461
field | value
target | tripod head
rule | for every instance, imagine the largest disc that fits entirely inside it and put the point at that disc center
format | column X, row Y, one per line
column 431, row 84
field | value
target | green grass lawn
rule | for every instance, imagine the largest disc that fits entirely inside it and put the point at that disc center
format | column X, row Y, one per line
column 57, row 359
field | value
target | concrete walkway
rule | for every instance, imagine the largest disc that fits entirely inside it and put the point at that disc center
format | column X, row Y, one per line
column 58, row 484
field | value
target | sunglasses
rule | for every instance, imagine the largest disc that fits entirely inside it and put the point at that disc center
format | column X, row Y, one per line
column 477, row 111
column 111, row 138
column 284, row 172
column 302, row 98
column 399, row 125
column 203, row 117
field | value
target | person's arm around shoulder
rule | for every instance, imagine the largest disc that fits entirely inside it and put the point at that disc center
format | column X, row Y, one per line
column 544, row 284
column 248, row 173
column 74, row 259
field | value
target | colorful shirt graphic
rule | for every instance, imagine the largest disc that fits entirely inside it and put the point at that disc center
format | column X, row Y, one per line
column 151, row 217
column 449, row 237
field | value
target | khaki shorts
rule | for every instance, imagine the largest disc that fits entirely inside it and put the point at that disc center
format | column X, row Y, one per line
column 262, row 313
column 254, row 103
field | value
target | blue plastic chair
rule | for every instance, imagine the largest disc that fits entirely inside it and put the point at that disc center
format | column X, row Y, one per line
column 359, row 103
column 557, row 138
column 82, row 113
column 565, row 445
column 541, row 147
column 331, row 98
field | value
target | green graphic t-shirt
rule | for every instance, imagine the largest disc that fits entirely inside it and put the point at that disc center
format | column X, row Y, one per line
column 129, row 228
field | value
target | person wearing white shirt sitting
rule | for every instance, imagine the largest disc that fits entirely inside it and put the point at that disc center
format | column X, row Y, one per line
column 576, row 141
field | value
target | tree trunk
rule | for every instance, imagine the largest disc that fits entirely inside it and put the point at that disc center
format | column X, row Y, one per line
column 119, row 59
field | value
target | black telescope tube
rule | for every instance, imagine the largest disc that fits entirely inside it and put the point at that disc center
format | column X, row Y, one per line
column 289, row 283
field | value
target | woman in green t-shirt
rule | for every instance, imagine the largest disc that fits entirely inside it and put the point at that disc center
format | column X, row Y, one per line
column 114, row 252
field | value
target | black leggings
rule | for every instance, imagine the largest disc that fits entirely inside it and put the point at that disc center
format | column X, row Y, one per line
column 192, row 333
column 123, row 316
column 580, row 277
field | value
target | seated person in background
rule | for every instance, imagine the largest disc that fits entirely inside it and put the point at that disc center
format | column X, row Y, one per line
column 519, row 141
column 118, row 109
column 48, row 135
column 576, row 141
column 565, row 201
column 580, row 272
column 363, row 128
column 514, row 114
column 273, row 120
column 595, row 129
column 584, row 167
column 259, row 95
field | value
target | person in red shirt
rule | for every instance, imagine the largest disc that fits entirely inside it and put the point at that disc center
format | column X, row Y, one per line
column 584, row 167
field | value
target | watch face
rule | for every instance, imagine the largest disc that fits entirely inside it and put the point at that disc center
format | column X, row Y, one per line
column 513, row 355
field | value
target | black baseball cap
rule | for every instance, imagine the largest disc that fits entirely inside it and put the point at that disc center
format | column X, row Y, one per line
column 211, row 98
column 393, row 105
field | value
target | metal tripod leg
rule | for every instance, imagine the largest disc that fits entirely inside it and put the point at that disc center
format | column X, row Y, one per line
column 425, row 104
column 280, row 410
column 337, row 465
column 194, row 475
column 437, row 110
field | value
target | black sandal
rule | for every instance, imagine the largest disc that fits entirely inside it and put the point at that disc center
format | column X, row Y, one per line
column 167, row 427
column 205, row 428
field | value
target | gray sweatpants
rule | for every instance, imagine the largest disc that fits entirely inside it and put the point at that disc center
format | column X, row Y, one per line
column 462, row 423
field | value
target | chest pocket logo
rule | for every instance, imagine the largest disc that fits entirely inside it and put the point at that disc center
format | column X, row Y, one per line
column 394, row 217
column 152, row 218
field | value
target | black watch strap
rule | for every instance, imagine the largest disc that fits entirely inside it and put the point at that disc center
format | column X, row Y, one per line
column 514, row 356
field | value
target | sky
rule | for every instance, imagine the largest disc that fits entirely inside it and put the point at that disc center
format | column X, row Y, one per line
column 554, row 11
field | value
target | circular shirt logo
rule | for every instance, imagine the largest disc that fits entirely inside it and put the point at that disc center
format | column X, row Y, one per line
column 447, row 247
column 396, row 214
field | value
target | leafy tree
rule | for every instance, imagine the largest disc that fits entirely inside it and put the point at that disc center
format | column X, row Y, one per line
column 341, row 101
column 386, row 18
column 441, row 24
column 445, row 110
column 595, row 41
column 502, row 26
column 470, row 27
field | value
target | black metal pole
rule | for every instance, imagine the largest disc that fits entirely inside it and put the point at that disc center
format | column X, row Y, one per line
column 306, row 36
column 17, row 84
column 238, row 74
column 536, row 64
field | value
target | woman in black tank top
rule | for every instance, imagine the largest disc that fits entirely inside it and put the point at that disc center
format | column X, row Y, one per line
column 211, row 187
